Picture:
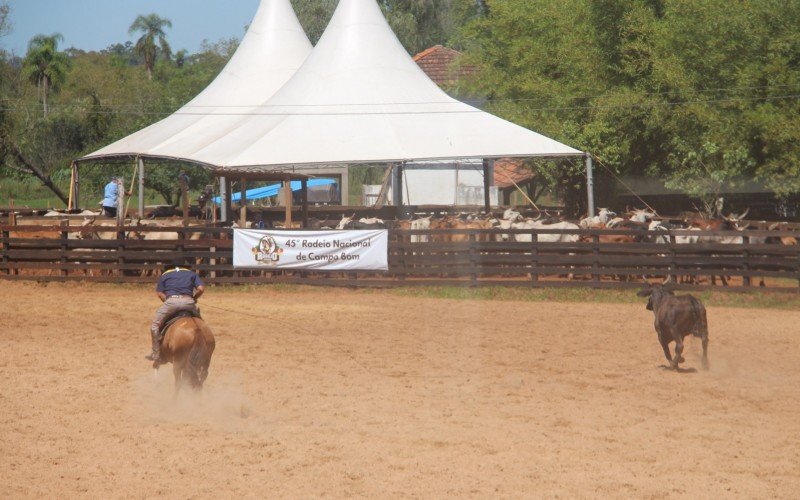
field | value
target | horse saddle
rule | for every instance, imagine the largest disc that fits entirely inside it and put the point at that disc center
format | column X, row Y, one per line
column 169, row 320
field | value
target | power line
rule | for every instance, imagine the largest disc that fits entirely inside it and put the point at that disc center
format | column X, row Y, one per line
column 456, row 102
column 106, row 111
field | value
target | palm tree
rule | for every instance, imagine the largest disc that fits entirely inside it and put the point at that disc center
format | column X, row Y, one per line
column 153, row 28
column 44, row 65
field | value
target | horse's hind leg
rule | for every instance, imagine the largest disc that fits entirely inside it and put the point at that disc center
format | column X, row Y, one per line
column 177, row 371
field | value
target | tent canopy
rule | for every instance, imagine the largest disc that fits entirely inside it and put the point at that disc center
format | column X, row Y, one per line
column 358, row 98
column 271, row 51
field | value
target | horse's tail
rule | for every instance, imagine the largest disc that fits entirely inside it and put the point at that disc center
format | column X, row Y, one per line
column 199, row 356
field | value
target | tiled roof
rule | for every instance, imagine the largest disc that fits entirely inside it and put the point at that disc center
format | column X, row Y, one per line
column 506, row 169
column 438, row 63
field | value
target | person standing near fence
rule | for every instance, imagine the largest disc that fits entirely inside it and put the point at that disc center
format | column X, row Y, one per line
column 111, row 197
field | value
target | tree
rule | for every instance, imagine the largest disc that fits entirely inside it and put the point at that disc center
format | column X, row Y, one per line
column 152, row 26
column 44, row 65
column 418, row 24
column 699, row 95
column 5, row 24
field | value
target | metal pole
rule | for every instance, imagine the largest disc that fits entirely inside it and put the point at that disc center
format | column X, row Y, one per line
column 488, row 177
column 397, row 185
column 223, row 199
column 589, row 185
column 141, row 187
column 120, row 201
column 183, row 180
column 77, row 189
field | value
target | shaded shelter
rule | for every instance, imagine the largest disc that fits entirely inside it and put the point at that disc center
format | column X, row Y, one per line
column 271, row 51
column 358, row 98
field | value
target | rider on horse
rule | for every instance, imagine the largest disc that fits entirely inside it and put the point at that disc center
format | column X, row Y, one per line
column 178, row 288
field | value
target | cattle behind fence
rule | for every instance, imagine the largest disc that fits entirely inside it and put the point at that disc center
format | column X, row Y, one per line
column 463, row 257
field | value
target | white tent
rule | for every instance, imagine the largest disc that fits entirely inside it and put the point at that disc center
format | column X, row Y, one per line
column 271, row 51
column 360, row 98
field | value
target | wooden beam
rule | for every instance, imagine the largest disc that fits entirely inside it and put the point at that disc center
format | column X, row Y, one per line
column 243, row 204
column 184, row 198
column 141, row 188
column 287, row 196
column 304, row 192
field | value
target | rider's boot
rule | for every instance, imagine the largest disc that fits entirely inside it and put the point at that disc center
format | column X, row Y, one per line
column 156, row 354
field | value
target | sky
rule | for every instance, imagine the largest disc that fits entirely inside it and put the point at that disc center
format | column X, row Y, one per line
column 96, row 24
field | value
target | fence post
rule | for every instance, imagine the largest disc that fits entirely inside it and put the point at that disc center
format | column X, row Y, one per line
column 5, row 251
column 64, row 249
column 534, row 258
column 181, row 238
column 473, row 261
column 120, row 251
column 596, row 261
column 746, row 281
column 400, row 246
column 673, row 264
column 212, row 260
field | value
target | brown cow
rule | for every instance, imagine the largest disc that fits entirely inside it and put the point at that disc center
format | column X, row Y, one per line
column 675, row 318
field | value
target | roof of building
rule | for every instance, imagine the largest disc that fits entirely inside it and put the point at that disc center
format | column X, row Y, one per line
column 507, row 170
column 440, row 64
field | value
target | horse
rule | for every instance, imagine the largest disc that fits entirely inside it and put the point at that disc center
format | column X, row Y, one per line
column 188, row 344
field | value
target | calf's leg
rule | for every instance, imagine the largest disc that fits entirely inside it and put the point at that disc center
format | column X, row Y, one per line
column 678, row 351
column 665, row 346
column 705, row 352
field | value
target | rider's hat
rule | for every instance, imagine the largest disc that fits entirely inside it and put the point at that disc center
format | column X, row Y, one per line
column 178, row 262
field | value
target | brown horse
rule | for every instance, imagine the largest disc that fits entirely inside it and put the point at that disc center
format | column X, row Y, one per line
column 188, row 344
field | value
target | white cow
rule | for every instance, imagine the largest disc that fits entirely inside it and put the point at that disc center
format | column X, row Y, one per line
column 599, row 220
column 546, row 238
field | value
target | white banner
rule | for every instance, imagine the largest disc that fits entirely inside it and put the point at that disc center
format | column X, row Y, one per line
column 323, row 250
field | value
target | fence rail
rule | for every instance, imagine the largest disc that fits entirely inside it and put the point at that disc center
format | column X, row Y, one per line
column 446, row 257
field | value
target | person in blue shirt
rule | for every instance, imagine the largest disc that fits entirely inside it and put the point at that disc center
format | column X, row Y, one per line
column 178, row 288
column 110, row 198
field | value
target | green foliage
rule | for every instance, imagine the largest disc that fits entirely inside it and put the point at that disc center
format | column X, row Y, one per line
column 314, row 16
column 44, row 65
column 5, row 23
column 152, row 28
column 418, row 24
column 703, row 95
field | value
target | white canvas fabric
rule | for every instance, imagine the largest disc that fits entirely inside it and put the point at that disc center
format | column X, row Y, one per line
column 360, row 97
column 271, row 51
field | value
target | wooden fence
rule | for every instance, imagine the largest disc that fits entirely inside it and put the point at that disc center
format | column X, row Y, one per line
column 137, row 254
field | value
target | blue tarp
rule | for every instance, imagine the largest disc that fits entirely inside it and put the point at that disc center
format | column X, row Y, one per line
column 272, row 190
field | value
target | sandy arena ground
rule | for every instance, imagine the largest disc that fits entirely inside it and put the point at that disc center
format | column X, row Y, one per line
column 329, row 392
